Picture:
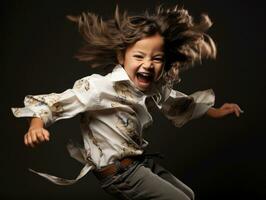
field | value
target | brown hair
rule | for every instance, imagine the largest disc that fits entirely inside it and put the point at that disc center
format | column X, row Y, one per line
column 185, row 41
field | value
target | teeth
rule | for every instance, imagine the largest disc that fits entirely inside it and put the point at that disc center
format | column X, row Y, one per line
column 145, row 74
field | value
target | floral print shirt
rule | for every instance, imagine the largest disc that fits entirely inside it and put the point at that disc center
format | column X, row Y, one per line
column 114, row 115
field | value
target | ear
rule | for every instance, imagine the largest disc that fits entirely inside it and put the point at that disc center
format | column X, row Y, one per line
column 120, row 57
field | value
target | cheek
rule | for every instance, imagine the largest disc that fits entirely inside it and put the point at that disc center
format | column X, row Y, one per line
column 159, row 68
column 127, row 62
column 131, row 66
column 131, row 69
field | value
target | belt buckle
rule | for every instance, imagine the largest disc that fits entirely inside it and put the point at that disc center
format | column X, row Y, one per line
column 118, row 167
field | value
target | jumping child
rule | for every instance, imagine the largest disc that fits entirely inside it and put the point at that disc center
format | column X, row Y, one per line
column 147, row 52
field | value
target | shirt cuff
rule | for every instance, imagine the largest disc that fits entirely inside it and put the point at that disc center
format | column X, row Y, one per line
column 204, row 100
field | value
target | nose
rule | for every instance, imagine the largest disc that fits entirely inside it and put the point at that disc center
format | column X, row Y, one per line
column 148, row 64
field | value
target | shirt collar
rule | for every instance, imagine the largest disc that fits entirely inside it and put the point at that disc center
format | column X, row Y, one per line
column 119, row 74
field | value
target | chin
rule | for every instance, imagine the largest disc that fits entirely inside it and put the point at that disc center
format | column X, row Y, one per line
column 144, row 89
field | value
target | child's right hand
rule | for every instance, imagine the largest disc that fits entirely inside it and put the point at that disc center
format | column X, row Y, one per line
column 35, row 136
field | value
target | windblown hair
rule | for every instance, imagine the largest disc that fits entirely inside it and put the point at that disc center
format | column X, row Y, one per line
column 185, row 41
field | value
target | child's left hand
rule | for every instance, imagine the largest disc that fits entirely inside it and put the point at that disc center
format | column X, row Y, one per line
column 225, row 109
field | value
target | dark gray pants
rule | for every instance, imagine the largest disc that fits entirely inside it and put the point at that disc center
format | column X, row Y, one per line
column 146, row 180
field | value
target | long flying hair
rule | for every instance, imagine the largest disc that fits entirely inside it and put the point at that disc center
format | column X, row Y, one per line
column 186, row 42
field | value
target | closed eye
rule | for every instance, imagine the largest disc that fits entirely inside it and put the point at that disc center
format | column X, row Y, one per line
column 159, row 59
column 138, row 56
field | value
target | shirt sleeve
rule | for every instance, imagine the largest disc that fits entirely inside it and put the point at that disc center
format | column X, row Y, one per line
column 181, row 108
column 55, row 106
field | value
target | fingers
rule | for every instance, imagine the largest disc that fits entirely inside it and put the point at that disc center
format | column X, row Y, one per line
column 35, row 136
column 46, row 135
column 232, row 108
column 237, row 110
column 28, row 140
column 228, row 110
column 240, row 110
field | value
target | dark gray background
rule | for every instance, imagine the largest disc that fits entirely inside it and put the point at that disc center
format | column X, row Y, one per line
column 218, row 159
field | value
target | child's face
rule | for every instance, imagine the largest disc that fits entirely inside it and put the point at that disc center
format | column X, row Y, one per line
column 144, row 61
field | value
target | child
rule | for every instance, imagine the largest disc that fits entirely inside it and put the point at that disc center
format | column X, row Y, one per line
column 147, row 53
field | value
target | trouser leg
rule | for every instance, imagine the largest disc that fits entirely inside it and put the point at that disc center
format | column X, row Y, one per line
column 168, row 176
column 142, row 183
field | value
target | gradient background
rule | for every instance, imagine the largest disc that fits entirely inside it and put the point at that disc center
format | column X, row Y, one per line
column 218, row 159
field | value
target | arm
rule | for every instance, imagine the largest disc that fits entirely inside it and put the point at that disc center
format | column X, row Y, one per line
column 43, row 110
column 225, row 109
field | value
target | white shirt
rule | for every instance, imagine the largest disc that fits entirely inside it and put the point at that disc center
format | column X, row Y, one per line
column 114, row 115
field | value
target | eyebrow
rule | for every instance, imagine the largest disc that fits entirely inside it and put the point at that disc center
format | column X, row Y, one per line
column 159, row 54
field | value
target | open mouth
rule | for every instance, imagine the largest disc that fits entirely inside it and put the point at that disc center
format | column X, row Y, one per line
column 145, row 77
